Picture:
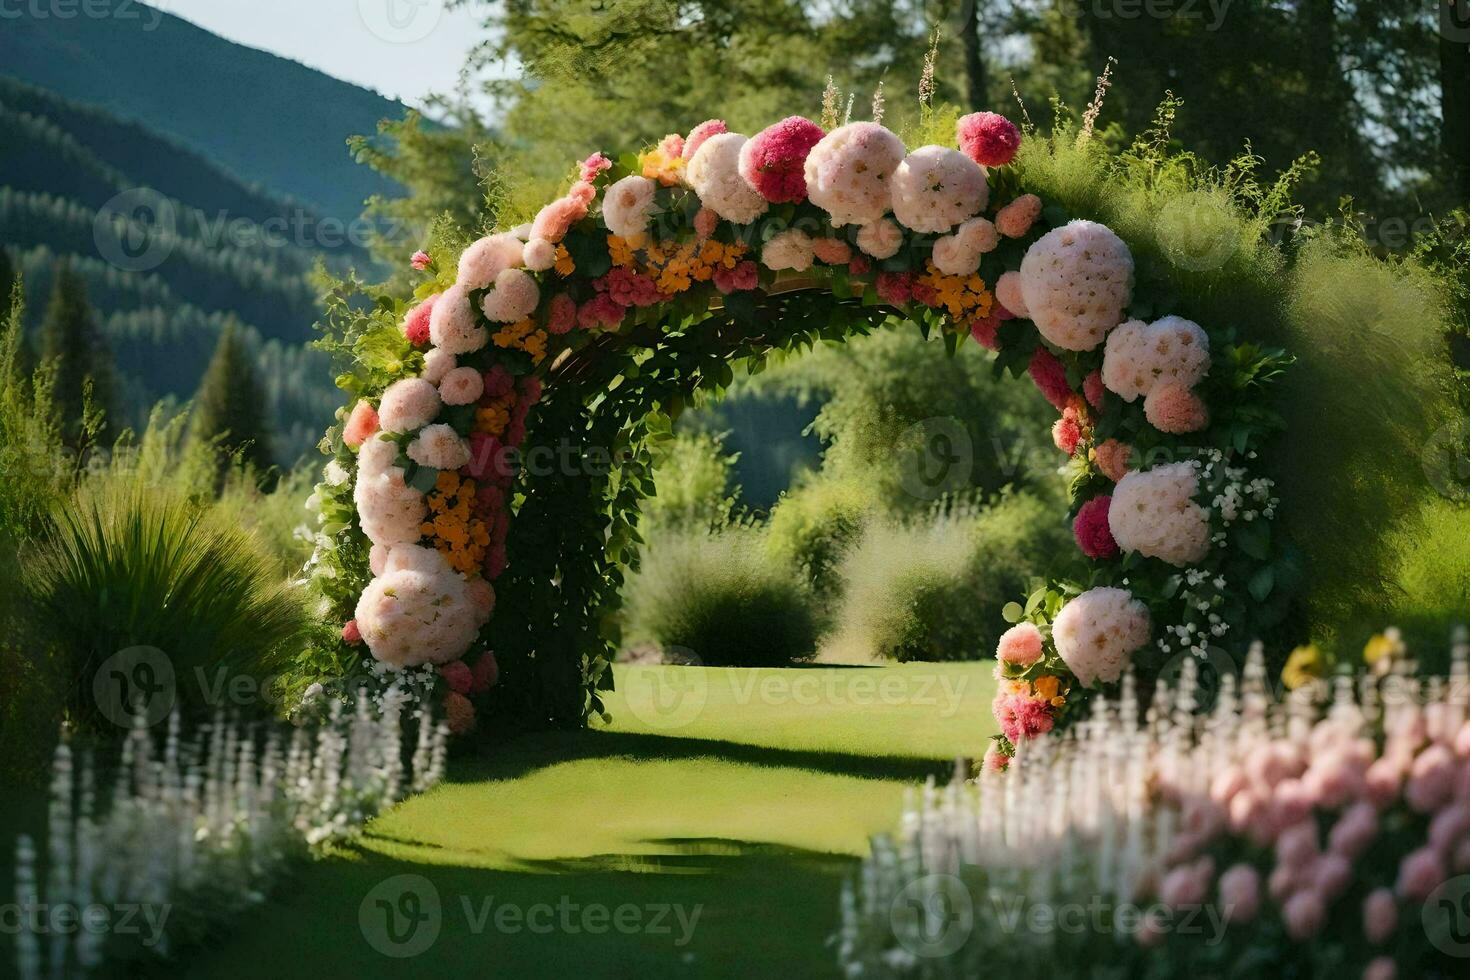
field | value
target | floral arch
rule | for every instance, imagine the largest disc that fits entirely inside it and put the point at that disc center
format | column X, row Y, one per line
column 485, row 481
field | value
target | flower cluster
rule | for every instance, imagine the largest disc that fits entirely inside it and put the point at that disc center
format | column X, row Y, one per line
column 1322, row 832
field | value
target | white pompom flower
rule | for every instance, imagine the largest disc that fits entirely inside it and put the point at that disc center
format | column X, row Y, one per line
column 1077, row 281
column 1098, row 631
column 849, row 172
column 408, row 404
column 1154, row 513
column 452, row 324
column 935, row 188
column 714, row 173
column 487, row 258
column 513, row 299
column 790, row 249
column 440, row 447
column 881, row 238
column 539, row 255
column 437, row 363
column 627, row 205
column 1139, row 356
column 419, row 611
column 959, row 254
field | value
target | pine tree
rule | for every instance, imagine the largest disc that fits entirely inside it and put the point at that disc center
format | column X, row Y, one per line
column 72, row 341
column 230, row 406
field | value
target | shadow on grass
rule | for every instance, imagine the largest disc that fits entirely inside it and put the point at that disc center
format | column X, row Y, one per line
column 524, row 755
column 714, row 908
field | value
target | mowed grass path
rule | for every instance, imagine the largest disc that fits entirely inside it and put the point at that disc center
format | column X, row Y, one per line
column 705, row 831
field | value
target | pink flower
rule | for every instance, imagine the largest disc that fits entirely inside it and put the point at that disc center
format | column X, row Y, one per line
column 1020, row 645
column 705, row 222
column 1448, row 826
column 486, row 673
column 1092, row 389
column 995, row 760
column 1380, row 915
column 416, row 322
column 498, row 382
column 458, row 676
column 459, row 713
column 628, row 288
column 351, row 635
column 561, row 314
column 745, row 276
column 1050, row 376
column 832, row 251
column 361, row 424
column 859, row 266
column 895, row 288
column 1016, row 218
column 1431, row 779
column 1091, row 529
column 488, row 457
column 1297, row 845
column 556, row 219
column 1240, row 893
column 986, row 330
column 1021, row 717
column 1188, row 884
column 1173, row 408
column 1383, row 780
column 1420, row 873
column 773, row 160
column 1304, row 914
column 530, row 390
column 988, row 138
column 700, row 133
column 461, row 386
column 1066, row 433
column 589, row 168
column 600, row 311
column 1381, row 968
column 1331, row 875
column 1354, row 830
column 420, row 260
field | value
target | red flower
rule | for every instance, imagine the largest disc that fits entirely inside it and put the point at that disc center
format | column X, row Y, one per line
column 458, row 675
column 1050, row 376
column 1091, row 529
column 351, row 635
column 988, row 138
column 486, row 673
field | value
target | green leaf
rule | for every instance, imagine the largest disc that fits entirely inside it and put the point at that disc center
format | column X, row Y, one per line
column 1261, row 583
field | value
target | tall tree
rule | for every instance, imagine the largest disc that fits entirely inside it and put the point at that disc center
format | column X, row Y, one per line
column 1454, row 78
column 72, row 341
column 977, row 82
column 230, row 406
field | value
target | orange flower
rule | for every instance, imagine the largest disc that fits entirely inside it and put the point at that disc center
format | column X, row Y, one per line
column 564, row 265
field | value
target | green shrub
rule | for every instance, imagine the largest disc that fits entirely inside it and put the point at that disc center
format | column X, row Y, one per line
column 127, row 565
column 692, row 485
column 722, row 598
column 812, row 526
column 933, row 588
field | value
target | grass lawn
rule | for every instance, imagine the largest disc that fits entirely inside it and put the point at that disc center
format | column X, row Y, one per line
column 704, row 831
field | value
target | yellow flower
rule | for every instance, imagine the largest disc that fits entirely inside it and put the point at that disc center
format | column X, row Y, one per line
column 564, row 264
column 1304, row 665
column 1047, row 687
column 663, row 167
column 621, row 251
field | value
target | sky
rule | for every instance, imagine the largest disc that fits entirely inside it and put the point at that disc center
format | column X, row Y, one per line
column 405, row 49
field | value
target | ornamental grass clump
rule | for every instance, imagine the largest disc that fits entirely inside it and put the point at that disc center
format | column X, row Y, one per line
column 721, row 600
column 125, row 566
column 1327, row 832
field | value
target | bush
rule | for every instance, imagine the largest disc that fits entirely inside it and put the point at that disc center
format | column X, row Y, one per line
column 722, row 598
column 692, row 485
column 933, row 589
column 814, row 525
column 126, row 565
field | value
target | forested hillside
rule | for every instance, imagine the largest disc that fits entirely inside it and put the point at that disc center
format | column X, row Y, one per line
column 172, row 250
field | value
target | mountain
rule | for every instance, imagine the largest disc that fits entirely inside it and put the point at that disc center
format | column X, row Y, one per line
column 268, row 121
column 173, row 249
